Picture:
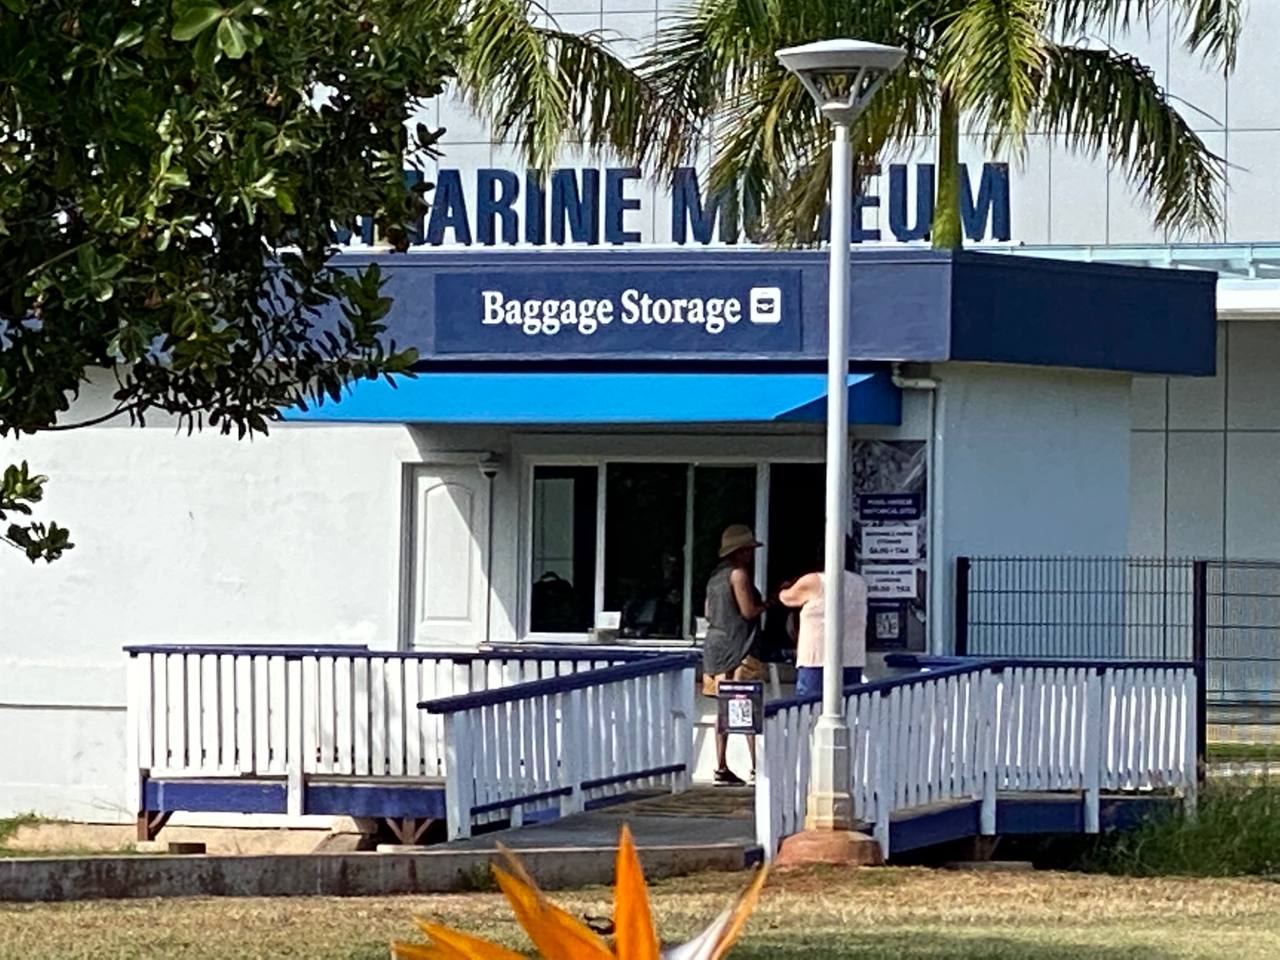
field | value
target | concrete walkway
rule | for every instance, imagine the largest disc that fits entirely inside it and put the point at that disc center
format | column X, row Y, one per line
column 704, row 829
column 704, row 816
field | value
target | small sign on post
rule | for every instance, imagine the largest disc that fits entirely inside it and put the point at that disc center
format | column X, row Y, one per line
column 741, row 707
column 897, row 582
column 890, row 543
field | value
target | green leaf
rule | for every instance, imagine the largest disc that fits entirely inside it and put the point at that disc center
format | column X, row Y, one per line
column 131, row 34
column 195, row 22
column 231, row 38
column 284, row 200
column 15, row 6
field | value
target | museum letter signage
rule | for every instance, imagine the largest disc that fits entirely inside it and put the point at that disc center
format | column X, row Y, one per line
column 655, row 312
column 491, row 206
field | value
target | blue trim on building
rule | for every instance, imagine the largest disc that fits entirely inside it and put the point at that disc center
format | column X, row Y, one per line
column 1065, row 314
column 354, row 800
column 1041, row 815
column 269, row 796
column 213, row 796
column 908, row 304
column 607, row 398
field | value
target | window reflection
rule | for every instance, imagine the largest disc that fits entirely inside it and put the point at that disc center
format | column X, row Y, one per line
column 660, row 545
column 564, row 549
column 644, row 547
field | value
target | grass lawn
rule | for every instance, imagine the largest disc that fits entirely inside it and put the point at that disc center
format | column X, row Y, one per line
column 1243, row 752
column 885, row 914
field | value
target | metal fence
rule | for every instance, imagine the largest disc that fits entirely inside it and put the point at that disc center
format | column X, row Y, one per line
column 1242, row 622
column 1224, row 615
column 1130, row 608
column 1096, row 608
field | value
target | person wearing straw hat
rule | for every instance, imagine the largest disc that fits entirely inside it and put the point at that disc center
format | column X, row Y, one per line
column 733, row 614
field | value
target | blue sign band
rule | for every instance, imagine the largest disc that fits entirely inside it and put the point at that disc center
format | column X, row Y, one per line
column 608, row 312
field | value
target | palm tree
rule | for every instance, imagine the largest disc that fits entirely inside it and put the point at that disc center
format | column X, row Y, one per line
column 709, row 76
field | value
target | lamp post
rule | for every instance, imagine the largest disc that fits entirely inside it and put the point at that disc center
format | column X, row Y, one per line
column 842, row 76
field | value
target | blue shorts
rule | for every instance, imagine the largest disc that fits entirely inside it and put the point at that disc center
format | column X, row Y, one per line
column 809, row 680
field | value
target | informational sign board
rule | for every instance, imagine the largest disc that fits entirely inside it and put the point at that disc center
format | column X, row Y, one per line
column 889, row 506
column 893, row 538
column 741, row 707
column 890, row 543
column 890, row 582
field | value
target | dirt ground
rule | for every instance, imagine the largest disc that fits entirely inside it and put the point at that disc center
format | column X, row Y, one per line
column 878, row 914
column 44, row 838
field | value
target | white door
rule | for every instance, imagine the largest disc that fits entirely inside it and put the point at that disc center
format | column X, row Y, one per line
column 448, row 558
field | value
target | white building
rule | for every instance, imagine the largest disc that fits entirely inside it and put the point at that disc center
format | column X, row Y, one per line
column 437, row 528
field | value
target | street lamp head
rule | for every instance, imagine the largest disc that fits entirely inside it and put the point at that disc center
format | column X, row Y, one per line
column 841, row 75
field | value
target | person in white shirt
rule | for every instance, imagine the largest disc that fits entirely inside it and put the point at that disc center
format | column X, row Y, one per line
column 807, row 594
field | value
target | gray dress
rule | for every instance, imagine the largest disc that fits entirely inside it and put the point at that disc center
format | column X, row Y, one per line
column 730, row 635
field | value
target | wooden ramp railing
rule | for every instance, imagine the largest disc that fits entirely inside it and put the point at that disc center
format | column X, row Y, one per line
column 299, row 712
column 561, row 744
column 971, row 730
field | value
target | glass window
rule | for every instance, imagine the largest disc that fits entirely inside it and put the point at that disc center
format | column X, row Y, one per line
column 562, row 599
column 644, row 535
column 660, row 544
column 797, row 521
column 721, row 496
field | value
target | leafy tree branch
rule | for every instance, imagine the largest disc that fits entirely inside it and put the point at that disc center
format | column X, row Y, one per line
column 174, row 178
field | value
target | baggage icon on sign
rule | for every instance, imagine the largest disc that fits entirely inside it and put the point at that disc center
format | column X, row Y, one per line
column 766, row 304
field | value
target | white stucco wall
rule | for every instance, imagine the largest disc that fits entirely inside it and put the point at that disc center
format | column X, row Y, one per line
column 1035, row 463
column 1206, row 453
column 291, row 538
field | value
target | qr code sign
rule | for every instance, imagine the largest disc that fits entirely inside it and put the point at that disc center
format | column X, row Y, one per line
column 886, row 626
column 740, row 713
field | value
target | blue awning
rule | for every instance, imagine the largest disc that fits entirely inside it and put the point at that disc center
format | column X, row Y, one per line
column 604, row 398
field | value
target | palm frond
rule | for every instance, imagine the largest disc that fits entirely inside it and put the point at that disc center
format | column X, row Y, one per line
column 713, row 63
column 682, row 66
column 1096, row 100
column 609, row 103
column 1210, row 27
column 543, row 87
column 991, row 55
column 773, row 150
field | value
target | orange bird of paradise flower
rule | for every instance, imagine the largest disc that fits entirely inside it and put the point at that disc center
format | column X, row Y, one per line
column 558, row 936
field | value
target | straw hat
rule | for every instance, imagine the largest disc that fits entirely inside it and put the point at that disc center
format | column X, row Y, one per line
column 735, row 537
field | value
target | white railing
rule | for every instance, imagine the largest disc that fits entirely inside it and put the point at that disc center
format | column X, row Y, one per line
column 552, row 747
column 294, row 712
column 970, row 730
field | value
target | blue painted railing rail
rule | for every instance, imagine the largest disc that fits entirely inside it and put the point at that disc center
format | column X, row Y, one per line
column 564, row 654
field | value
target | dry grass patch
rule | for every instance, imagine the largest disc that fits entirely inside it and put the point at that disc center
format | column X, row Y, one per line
column 885, row 914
